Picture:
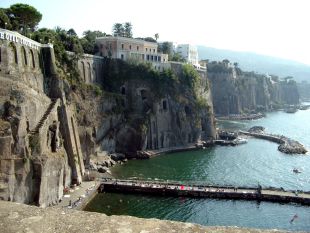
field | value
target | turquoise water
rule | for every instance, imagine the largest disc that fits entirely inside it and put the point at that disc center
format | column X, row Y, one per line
column 256, row 162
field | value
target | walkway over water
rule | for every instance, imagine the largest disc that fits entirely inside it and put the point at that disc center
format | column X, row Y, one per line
column 204, row 191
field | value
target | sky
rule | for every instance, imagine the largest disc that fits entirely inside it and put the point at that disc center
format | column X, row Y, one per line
column 277, row 28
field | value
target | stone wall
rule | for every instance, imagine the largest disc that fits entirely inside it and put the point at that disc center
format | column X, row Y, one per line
column 19, row 218
column 91, row 68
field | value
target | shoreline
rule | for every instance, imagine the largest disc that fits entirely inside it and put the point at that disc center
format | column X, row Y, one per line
column 241, row 116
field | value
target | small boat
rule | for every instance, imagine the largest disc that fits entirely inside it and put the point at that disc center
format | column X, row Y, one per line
column 240, row 141
column 295, row 170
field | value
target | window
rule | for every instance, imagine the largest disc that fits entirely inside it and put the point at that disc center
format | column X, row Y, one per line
column 122, row 56
column 137, row 48
column 123, row 90
column 165, row 104
column 145, row 49
column 147, row 57
column 122, row 46
column 153, row 50
column 159, row 58
column 130, row 47
column 152, row 58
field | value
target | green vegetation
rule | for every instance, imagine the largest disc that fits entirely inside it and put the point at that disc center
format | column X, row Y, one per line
column 124, row 30
column 218, row 67
column 20, row 17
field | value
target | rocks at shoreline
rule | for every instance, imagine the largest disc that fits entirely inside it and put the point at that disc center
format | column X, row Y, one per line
column 292, row 147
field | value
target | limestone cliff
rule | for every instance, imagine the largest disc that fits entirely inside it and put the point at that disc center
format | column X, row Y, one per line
column 142, row 109
column 52, row 120
column 39, row 152
column 235, row 91
column 304, row 90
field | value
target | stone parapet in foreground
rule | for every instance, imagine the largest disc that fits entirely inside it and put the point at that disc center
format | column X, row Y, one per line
column 22, row 218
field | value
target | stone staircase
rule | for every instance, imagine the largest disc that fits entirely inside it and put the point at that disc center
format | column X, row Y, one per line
column 44, row 117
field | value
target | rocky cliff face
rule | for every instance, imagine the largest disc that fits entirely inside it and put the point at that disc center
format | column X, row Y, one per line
column 304, row 90
column 139, row 112
column 51, row 125
column 39, row 152
column 236, row 92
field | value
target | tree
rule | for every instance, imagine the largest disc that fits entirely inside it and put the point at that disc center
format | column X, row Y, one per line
column 4, row 20
column 166, row 47
column 177, row 57
column 156, row 36
column 128, row 30
column 118, row 29
column 24, row 17
column 71, row 32
column 89, row 41
column 150, row 39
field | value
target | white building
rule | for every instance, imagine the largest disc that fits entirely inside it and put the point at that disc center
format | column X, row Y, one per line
column 132, row 49
column 189, row 53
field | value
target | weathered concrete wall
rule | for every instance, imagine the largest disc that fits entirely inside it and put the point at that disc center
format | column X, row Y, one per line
column 90, row 68
column 19, row 218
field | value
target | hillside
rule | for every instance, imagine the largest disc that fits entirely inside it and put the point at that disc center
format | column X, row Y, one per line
column 260, row 63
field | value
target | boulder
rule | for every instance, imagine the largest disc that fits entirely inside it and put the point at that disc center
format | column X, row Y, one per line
column 117, row 156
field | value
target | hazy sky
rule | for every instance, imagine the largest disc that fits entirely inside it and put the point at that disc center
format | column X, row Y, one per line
column 272, row 27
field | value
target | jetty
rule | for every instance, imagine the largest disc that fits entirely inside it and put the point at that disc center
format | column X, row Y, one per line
column 286, row 145
column 174, row 188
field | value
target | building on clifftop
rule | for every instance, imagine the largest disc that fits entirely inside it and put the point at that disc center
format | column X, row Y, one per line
column 127, row 49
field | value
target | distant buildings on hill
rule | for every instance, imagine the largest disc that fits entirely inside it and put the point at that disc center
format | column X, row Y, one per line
column 129, row 49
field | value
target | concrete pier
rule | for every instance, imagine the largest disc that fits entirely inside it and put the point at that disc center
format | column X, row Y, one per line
column 205, row 191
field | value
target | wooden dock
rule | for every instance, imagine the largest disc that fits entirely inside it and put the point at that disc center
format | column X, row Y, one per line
column 204, row 191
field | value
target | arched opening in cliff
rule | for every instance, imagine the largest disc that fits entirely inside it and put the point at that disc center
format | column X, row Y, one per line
column 24, row 56
column 165, row 105
column 143, row 94
column 188, row 111
column 203, row 124
column 32, row 59
column 52, row 131
column 123, row 90
column 14, row 51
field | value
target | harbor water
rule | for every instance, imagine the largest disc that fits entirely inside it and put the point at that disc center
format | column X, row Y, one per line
column 257, row 162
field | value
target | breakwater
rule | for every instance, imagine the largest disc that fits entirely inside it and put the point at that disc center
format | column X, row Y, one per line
column 287, row 145
column 205, row 191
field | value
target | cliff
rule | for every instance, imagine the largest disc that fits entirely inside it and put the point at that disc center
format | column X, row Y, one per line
column 39, row 153
column 235, row 91
column 143, row 109
column 55, row 117
column 19, row 218
column 304, row 90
